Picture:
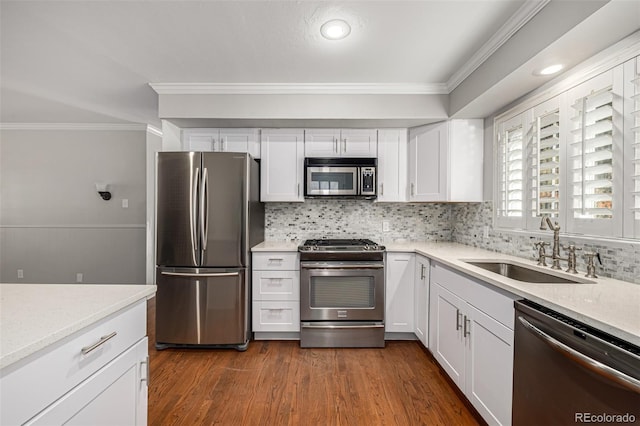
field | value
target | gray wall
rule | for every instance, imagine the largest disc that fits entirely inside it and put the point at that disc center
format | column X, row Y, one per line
column 53, row 224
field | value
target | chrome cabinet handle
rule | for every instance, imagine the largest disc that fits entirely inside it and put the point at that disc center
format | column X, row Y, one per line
column 422, row 268
column 298, row 189
column 344, row 145
column 214, row 274
column 589, row 363
column 467, row 330
column 381, row 188
column 458, row 315
column 88, row 349
column 147, row 378
column 412, row 189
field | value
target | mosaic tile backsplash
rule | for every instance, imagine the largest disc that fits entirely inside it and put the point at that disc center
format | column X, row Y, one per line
column 357, row 219
column 462, row 223
column 621, row 261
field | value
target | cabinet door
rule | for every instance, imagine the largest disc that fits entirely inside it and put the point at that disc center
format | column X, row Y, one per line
column 200, row 140
column 239, row 140
column 392, row 165
column 448, row 342
column 322, row 143
column 282, row 164
column 358, row 142
column 428, row 163
column 114, row 395
column 489, row 367
column 421, row 299
column 399, row 294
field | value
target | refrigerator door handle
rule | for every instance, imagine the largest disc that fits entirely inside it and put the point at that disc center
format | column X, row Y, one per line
column 204, row 206
column 212, row 274
column 194, row 215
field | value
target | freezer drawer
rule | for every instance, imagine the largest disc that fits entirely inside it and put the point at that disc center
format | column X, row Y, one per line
column 202, row 307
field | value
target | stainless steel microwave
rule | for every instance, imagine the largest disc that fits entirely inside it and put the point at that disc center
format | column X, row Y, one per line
column 340, row 177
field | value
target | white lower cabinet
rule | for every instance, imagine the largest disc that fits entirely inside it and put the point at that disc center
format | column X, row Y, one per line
column 399, row 276
column 471, row 337
column 421, row 300
column 70, row 383
column 275, row 294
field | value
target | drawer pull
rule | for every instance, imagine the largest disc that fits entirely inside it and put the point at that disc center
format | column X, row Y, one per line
column 88, row 349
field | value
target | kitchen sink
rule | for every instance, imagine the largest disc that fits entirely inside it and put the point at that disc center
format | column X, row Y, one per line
column 523, row 273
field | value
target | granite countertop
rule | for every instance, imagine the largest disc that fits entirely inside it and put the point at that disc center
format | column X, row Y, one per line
column 34, row 316
column 612, row 306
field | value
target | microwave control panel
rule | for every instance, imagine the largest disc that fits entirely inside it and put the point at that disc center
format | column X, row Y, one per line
column 368, row 181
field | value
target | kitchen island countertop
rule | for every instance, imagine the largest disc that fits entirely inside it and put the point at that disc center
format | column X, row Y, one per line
column 34, row 316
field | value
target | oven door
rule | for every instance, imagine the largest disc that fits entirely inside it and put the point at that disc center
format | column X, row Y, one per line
column 341, row 291
column 325, row 181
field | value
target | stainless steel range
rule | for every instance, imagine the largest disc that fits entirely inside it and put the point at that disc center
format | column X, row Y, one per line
column 341, row 293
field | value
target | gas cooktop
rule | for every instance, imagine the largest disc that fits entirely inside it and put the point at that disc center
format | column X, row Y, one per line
column 340, row 245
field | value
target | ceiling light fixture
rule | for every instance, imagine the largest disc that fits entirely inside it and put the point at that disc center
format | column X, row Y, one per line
column 336, row 29
column 551, row 69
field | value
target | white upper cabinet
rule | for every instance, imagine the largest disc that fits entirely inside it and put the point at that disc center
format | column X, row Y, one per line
column 282, row 165
column 392, row 165
column 222, row 140
column 340, row 143
column 446, row 161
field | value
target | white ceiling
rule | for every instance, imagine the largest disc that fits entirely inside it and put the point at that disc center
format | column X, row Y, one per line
column 92, row 61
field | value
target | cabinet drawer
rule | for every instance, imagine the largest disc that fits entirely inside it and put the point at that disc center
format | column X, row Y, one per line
column 276, row 260
column 276, row 316
column 276, row 285
column 37, row 381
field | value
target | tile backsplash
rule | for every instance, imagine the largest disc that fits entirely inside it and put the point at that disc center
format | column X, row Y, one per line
column 357, row 219
column 619, row 260
column 463, row 223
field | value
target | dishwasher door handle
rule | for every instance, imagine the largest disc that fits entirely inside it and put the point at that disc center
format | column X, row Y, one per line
column 591, row 364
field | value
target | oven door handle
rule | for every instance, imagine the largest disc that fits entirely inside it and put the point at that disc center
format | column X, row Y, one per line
column 343, row 326
column 589, row 363
column 321, row 265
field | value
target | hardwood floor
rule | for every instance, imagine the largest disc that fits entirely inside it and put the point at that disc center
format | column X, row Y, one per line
column 278, row 383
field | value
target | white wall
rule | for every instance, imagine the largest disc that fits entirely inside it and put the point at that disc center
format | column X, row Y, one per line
column 53, row 223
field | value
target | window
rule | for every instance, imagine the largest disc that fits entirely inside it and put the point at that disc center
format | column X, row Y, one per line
column 545, row 168
column 575, row 158
column 595, row 156
column 511, row 172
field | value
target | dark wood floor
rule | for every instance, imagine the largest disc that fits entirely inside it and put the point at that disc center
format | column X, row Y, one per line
column 278, row 383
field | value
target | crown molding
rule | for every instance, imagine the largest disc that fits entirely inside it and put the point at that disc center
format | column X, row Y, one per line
column 154, row 130
column 81, row 126
column 298, row 89
column 523, row 15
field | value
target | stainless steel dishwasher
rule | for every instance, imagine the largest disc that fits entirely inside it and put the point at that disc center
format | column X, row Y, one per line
column 568, row 373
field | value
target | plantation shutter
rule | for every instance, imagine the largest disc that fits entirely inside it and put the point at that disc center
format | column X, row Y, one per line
column 632, row 153
column 510, row 173
column 595, row 156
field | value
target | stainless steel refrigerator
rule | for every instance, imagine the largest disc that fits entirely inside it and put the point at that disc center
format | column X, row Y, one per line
column 208, row 216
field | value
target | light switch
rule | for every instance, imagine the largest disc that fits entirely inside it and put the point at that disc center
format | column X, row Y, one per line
column 125, row 203
column 20, row 273
column 385, row 226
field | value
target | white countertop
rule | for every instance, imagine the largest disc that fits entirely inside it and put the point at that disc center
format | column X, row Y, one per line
column 277, row 246
column 34, row 316
column 612, row 306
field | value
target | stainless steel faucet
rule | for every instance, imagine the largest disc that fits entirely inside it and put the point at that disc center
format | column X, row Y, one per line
column 555, row 254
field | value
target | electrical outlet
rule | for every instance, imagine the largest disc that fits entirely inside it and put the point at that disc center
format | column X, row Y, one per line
column 125, row 203
column 79, row 277
column 385, row 226
column 486, row 232
column 20, row 273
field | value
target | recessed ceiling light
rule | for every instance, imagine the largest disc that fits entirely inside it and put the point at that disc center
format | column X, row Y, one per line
column 335, row 29
column 551, row 69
